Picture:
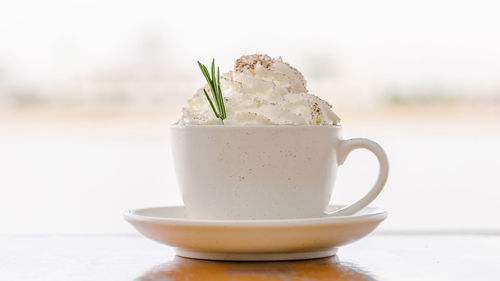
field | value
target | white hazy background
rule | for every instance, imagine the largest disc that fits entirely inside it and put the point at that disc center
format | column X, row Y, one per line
column 88, row 90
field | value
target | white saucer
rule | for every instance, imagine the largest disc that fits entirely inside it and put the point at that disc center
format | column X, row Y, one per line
column 253, row 240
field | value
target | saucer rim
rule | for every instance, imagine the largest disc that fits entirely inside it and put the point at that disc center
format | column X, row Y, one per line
column 376, row 215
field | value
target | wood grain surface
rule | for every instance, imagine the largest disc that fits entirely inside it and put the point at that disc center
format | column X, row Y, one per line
column 131, row 257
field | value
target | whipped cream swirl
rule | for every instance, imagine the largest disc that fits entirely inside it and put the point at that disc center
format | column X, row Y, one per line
column 261, row 91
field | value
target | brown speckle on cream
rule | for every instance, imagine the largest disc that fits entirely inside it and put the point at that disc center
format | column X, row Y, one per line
column 248, row 63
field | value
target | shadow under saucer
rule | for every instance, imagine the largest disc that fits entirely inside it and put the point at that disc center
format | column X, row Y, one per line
column 317, row 269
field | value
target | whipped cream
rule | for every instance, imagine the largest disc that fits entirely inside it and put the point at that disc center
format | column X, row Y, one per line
column 261, row 91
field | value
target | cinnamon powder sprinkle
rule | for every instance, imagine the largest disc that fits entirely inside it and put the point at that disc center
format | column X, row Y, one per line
column 248, row 63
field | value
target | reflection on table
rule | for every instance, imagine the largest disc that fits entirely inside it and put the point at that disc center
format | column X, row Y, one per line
column 319, row 269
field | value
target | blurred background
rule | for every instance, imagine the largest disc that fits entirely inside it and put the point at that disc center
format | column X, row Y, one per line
column 88, row 90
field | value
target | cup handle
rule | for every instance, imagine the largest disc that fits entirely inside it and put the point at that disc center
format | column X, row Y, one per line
column 345, row 147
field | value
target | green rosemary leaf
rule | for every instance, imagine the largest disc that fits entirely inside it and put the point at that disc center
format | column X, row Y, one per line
column 213, row 69
column 204, row 71
column 213, row 82
column 211, row 104
column 214, row 88
column 223, row 107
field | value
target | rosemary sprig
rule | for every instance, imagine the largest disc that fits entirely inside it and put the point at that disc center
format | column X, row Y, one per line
column 214, row 83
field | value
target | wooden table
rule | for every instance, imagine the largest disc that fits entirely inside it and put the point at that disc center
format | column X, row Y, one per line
column 132, row 257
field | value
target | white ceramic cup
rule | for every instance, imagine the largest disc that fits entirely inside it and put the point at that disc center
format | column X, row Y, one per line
column 264, row 172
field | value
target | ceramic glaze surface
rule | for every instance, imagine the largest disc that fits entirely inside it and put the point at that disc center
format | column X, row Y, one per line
column 263, row 172
column 285, row 239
